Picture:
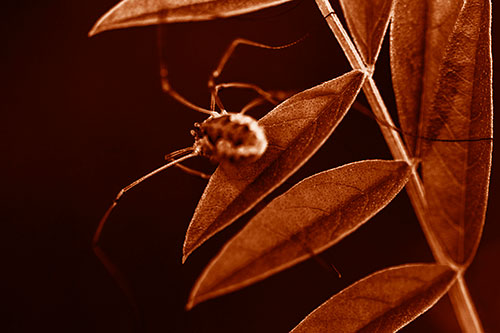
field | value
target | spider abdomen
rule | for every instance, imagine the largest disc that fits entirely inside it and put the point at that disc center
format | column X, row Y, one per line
column 231, row 136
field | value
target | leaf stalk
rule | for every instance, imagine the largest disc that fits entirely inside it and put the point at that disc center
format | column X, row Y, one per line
column 462, row 303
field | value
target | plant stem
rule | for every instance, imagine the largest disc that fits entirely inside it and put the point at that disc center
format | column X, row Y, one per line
column 415, row 187
column 461, row 300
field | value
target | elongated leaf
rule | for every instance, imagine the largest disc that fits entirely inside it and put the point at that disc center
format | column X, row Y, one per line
column 456, row 174
column 132, row 13
column 419, row 36
column 382, row 302
column 312, row 216
column 367, row 21
column 295, row 130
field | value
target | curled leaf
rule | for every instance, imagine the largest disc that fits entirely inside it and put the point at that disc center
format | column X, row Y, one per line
column 313, row 215
column 295, row 130
column 382, row 302
column 419, row 35
column 367, row 21
column 456, row 174
column 132, row 13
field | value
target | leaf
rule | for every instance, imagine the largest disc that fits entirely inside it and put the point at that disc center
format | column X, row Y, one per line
column 367, row 21
column 313, row 215
column 133, row 13
column 456, row 174
column 382, row 302
column 295, row 130
column 419, row 36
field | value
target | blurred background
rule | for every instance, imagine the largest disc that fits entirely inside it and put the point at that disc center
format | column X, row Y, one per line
column 83, row 117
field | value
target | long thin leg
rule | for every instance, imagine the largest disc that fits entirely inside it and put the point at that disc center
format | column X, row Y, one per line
column 127, row 188
column 322, row 262
column 315, row 256
column 171, row 157
column 367, row 112
column 252, row 104
column 242, row 41
column 243, row 85
column 279, row 95
column 229, row 52
column 272, row 96
column 165, row 84
column 122, row 283
column 107, row 263
column 188, row 170
column 193, row 172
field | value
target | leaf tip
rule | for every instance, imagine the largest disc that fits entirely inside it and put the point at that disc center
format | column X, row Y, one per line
column 94, row 31
column 98, row 26
column 193, row 241
column 187, row 249
column 105, row 22
column 194, row 296
column 190, row 304
column 194, row 299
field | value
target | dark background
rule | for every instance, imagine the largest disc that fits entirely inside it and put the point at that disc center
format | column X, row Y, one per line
column 83, row 117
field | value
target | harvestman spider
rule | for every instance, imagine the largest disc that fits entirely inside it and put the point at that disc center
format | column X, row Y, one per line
column 223, row 136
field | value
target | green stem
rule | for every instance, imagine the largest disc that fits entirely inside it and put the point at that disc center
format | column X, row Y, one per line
column 461, row 300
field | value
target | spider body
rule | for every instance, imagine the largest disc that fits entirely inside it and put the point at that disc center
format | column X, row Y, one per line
column 232, row 137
